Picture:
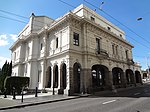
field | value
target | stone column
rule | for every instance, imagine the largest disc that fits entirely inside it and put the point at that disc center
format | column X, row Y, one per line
column 123, row 80
column 71, row 82
column 60, row 90
column 52, row 76
column 134, row 80
column 109, row 80
column 141, row 79
column 81, row 80
column 87, row 80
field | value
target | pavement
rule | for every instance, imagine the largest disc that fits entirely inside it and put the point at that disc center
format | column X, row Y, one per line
column 30, row 100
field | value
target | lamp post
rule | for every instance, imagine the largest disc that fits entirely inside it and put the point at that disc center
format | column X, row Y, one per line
column 101, row 5
column 139, row 19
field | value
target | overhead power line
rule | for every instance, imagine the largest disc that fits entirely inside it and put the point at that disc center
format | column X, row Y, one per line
column 138, row 42
column 13, row 14
column 74, row 7
column 67, row 3
column 118, row 22
column 18, row 20
column 10, row 13
column 13, row 19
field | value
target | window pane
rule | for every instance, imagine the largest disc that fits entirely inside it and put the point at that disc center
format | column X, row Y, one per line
column 56, row 42
column 76, row 39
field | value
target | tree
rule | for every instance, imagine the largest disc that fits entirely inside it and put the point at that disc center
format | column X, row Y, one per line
column 0, row 71
column 10, row 69
column 5, row 71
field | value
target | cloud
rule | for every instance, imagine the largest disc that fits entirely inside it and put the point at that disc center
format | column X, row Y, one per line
column 13, row 37
column 3, row 60
column 4, row 36
column 3, row 40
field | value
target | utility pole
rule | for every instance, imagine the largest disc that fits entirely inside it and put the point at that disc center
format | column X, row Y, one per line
column 148, row 68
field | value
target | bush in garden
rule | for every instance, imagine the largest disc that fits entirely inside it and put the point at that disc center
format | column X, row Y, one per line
column 16, row 82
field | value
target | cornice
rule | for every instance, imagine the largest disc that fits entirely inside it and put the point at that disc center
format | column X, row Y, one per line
column 108, row 32
column 16, row 43
column 19, row 41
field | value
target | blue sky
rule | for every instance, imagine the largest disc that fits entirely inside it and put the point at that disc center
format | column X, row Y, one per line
column 125, row 11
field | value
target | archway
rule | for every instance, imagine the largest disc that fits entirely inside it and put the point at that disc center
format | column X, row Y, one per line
column 55, row 76
column 48, row 77
column 76, row 77
column 129, row 76
column 138, row 77
column 117, row 76
column 145, row 75
column 99, row 77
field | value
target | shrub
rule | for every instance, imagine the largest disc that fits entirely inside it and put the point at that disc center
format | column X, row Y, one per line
column 16, row 82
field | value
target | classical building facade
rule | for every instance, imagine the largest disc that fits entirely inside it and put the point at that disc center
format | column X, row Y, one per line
column 78, row 52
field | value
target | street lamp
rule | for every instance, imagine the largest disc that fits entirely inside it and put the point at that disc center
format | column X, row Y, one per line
column 139, row 19
column 102, row 3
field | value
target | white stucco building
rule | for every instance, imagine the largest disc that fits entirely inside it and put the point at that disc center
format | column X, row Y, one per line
column 78, row 52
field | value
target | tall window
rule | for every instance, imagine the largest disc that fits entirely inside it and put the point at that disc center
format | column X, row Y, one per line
column 98, row 45
column 76, row 39
column 39, row 76
column 28, row 51
column 14, row 55
column 26, row 67
column 56, row 42
column 113, row 48
column 41, row 46
column 116, row 49
column 126, row 54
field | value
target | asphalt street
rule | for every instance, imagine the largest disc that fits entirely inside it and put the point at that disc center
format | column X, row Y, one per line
column 129, row 100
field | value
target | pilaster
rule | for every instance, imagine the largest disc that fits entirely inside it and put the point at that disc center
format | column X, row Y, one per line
column 109, row 81
column 123, row 79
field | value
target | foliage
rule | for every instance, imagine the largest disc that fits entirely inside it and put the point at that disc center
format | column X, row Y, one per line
column 4, row 72
column 16, row 82
column 0, row 71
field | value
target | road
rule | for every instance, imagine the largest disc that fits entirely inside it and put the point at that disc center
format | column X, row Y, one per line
column 129, row 100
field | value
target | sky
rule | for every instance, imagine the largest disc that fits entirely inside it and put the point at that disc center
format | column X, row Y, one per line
column 124, row 14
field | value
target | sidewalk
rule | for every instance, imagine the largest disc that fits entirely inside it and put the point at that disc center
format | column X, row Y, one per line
column 29, row 100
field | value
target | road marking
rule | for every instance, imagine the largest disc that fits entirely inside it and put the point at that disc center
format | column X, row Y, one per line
column 137, row 93
column 108, row 102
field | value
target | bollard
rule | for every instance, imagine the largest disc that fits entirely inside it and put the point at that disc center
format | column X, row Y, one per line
column 22, row 96
column 5, row 94
column 14, row 95
column 36, row 92
column 53, row 89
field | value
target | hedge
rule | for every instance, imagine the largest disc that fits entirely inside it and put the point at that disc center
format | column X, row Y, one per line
column 16, row 82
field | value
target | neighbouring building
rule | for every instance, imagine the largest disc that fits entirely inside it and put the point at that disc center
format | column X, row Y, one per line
column 76, row 53
column 145, row 74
